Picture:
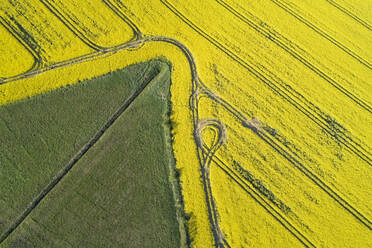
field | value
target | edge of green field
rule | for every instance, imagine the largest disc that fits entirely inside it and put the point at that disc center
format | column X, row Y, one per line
column 157, row 71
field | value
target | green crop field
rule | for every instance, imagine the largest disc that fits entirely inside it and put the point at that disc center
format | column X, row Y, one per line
column 199, row 124
column 106, row 143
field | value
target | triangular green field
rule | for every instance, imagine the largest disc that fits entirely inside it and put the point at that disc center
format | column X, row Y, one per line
column 118, row 193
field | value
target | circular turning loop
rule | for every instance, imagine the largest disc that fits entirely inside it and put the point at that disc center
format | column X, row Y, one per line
column 219, row 131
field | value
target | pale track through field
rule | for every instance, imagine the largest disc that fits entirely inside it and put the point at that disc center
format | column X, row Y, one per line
column 277, row 146
column 293, row 49
column 197, row 87
column 201, row 90
column 69, row 23
column 305, row 106
column 285, row 6
column 205, row 155
column 198, row 90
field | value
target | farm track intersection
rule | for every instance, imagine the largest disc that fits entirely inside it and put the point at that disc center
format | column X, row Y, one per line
column 208, row 154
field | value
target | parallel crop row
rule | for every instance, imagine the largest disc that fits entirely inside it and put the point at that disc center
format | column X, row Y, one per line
column 38, row 52
column 71, row 24
column 295, row 50
column 263, row 200
column 351, row 14
column 25, row 39
column 206, row 154
column 300, row 103
column 284, row 5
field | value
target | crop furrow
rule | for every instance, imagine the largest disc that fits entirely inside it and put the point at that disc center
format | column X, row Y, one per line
column 351, row 14
column 261, row 200
column 116, row 9
column 321, row 119
column 308, row 23
column 290, row 156
column 293, row 49
column 68, row 22
column 99, row 51
column 25, row 43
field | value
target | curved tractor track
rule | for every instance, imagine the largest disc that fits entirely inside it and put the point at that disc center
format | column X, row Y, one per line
column 206, row 152
column 16, row 34
column 289, row 94
column 70, row 23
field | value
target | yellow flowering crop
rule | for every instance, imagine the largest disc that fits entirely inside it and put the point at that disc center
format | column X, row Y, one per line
column 271, row 133
column 15, row 58
column 48, row 38
column 96, row 21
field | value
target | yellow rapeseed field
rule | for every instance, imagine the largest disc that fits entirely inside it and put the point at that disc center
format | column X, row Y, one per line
column 96, row 22
column 271, row 104
column 14, row 59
